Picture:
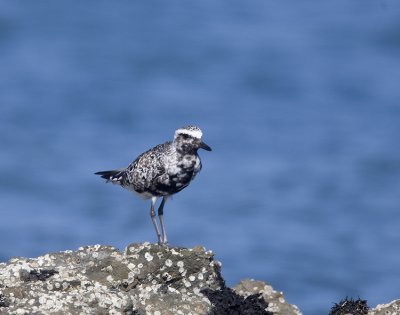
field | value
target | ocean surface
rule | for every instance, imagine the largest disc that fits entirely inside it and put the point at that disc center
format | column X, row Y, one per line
column 300, row 101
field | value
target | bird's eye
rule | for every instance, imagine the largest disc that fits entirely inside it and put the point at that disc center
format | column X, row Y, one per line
column 184, row 136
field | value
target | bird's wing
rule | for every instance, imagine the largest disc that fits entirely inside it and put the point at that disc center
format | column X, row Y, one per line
column 147, row 168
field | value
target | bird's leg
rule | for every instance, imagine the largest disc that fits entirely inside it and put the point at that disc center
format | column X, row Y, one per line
column 161, row 217
column 153, row 218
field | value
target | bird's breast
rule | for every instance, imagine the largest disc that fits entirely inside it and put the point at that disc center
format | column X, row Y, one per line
column 184, row 168
column 186, row 163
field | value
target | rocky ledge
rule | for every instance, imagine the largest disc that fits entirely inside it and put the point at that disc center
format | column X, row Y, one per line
column 144, row 279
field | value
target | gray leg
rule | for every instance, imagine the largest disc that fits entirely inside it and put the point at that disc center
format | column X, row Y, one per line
column 161, row 217
column 153, row 218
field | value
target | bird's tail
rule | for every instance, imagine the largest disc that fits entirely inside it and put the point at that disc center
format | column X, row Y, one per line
column 114, row 176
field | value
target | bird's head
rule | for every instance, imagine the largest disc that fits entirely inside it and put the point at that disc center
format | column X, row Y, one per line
column 188, row 140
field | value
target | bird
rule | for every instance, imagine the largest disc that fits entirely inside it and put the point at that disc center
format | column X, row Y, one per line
column 162, row 171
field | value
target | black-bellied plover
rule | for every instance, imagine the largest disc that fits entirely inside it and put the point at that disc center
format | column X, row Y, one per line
column 162, row 171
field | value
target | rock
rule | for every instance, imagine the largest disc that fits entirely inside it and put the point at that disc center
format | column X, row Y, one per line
column 276, row 301
column 392, row 308
column 144, row 279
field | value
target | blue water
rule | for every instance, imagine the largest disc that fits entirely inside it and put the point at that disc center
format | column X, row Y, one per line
column 300, row 101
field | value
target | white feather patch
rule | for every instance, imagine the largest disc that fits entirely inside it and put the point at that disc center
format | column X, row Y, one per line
column 194, row 133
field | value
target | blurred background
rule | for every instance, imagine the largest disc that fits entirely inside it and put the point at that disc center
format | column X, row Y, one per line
column 298, row 99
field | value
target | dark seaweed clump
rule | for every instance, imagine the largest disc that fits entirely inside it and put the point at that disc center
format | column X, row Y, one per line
column 227, row 302
column 350, row 306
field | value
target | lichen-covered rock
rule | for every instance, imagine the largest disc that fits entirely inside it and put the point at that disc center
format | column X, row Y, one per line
column 144, row 279
column 276, row 302
column 392, row 308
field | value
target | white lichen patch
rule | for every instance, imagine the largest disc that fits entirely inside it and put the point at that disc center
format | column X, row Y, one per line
column 180, row 263
column 109, row 269
column 131, row 266
column 168, row 262
column 132, row 249
column 166, row 276
column 206, row 300
column 197, row 291
column 134, row 256
column 110, row 278
column 96, row 247
column 148, row 256
column 174, row 252
column 172, row 290
column 160, row 255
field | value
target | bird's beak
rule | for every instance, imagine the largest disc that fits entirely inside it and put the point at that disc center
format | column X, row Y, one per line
column 204, row 146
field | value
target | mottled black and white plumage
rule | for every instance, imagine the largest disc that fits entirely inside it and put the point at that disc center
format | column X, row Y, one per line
column 162, row 171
